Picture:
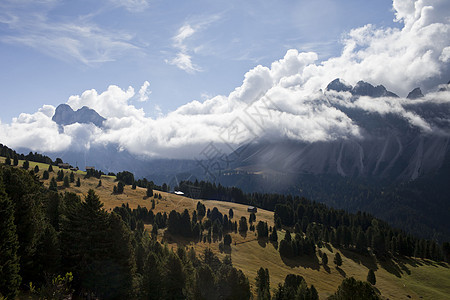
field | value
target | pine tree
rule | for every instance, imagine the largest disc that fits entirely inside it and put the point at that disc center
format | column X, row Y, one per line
column 120, row 187
column 26, row 165
column 324, row 259
column 371, row 277
column 263, row 284
column 115, row 189
column 78, row 184
column 45, row 175
column 149, row 191
column 50, row 168
column 36, row 169
column 8, row 161
column 9, row 245
column 72, row 177
column 15, row 160
column 53, row 185
column 231, row 213
column 99, row 183
column 338, row 259
column 66, row 182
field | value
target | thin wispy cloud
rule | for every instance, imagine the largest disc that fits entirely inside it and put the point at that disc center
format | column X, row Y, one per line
column 78, row 41
column 183, row 57
column 132, row 5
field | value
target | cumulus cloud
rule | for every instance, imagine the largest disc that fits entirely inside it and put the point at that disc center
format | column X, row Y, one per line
column 285, row 100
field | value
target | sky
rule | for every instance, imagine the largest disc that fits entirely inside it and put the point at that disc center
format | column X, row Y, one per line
column 174, row 75
column 186, row 50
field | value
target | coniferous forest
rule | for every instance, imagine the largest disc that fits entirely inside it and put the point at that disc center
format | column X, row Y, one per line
column 57, row 245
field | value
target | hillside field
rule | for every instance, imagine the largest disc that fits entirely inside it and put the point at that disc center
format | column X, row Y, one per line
column 406, row 278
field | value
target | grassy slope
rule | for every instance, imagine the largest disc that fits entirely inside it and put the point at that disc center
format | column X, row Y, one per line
column 395, row 280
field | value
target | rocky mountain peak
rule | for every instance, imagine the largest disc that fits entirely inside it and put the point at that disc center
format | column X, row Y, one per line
column 415, row 93
column 65, row 115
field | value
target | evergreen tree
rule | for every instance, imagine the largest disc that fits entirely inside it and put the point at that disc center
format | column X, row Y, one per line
column 26, row 165
column 53, row 185
column 8, row 161
column 50, row 168
column 263, row 284
column 120, row 187
column 36, row 169
column 152, row 278
column 274, row 236
column 243, row 227
column 231, row 213
column 78, row 184
column 149, row 191
column 324, row 259
column 115, row 189
column 338, row 259
column 45, row 175
column 60, row 175
column 351, row 288
column 227, row 240
column 174, row 278
column 15, row 160
column 72, row 177
column 153, row 203
column 99, row 183
column 9, row 245
column 66, row 182
column 133, row 186
column 371, row 277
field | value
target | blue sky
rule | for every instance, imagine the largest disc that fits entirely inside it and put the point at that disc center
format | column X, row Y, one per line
column 186, row 50
column 172, row 77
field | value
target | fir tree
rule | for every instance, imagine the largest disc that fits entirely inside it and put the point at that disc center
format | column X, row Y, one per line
column 50, row 168
column 149, row 191
column 36, row 169
column 78, row 184
column 26, row 165
column 120, row 187
column 263, row 284
column 338, row 259
column 99, row 183
column 9, row 245
column 66, row 182
column 15, row 160
column 53, row 185
column 45, row 175
column 8, row 161
column 72, row 177
column 371, row 277
column 324, row 259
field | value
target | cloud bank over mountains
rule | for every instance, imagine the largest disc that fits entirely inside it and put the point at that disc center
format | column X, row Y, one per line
column 286, row 100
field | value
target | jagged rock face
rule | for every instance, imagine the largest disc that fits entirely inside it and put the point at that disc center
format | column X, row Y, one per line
column 338, row 86
column 362, row 88
column 65, row 115
column 415, row 93
column 366, row 89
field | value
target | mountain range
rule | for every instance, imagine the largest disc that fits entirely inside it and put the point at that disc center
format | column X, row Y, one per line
column 388, row 158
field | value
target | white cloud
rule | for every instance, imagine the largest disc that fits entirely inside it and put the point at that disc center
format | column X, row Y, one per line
column 277, row 102
column 183, row 57
column 144, row 92
column 184, row 62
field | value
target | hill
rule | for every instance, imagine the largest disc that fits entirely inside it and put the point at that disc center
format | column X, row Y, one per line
column 396, row 279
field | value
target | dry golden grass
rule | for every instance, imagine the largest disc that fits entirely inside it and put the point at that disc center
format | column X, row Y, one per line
column 420, row 279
